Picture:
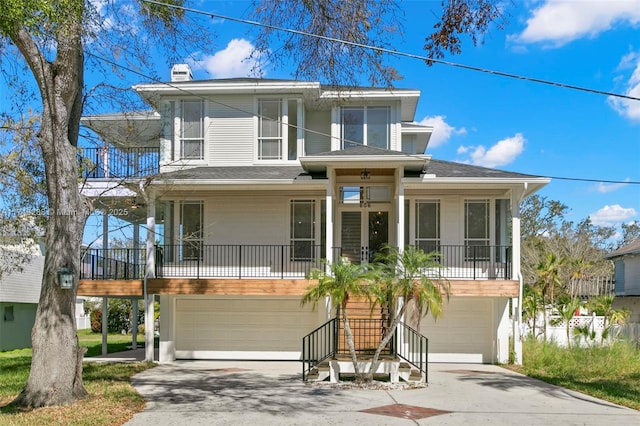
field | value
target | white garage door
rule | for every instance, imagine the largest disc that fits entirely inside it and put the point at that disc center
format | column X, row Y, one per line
column 266, row 328
column 463, row 333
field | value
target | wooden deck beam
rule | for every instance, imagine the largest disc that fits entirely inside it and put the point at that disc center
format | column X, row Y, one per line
column 263, row 287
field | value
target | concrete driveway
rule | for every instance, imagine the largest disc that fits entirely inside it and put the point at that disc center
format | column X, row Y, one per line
column 271, row 393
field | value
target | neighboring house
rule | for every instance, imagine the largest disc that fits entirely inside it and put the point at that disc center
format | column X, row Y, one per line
column 19, row 295
column 626, row 261
column 245, row 184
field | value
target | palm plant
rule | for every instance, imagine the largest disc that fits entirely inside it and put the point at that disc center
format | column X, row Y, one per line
column 413, row 276
column 340, row 281
column 548, row 271
column 567, row 307
column 531, row 306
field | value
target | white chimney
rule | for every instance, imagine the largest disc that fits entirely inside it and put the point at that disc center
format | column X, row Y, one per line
column 181, row 72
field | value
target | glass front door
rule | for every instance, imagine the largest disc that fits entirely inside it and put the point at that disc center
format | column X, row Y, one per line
column 363, row 234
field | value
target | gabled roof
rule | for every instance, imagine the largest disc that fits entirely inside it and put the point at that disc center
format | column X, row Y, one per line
column 631, row 248
column 449, row 169
column 311, row 90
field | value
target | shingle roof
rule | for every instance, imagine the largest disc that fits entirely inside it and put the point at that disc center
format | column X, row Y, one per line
column 437, row 167
column 450, row 169
column 238, row 173
column 631, row 248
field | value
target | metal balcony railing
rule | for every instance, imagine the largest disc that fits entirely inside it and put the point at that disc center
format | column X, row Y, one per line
column 113, row 264
column 118, row 163
column 196, row 260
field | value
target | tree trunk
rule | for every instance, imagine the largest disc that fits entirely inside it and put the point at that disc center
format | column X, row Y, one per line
column 386, row 338
column 352, row 348
column 56, row 365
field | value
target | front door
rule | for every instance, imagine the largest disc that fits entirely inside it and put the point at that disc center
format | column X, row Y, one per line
column 363, row 233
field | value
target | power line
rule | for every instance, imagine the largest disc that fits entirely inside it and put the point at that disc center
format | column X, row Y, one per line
column 170, row 84
column 398, row 53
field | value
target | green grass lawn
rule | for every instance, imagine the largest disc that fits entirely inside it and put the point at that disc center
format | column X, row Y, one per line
column 611, row 373
column 115, row 342
column 112, row 399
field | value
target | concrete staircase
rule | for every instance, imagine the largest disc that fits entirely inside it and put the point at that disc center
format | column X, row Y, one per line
column 395, row 369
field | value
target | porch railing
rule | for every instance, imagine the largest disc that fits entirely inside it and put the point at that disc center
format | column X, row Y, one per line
column 112, row 162
column 113, row 264
column 460, row 261
column 195, row 260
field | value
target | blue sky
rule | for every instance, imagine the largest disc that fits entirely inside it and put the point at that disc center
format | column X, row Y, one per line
column 512, row 124
column 503, row 123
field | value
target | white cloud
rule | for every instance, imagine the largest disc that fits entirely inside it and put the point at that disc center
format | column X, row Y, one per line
column 233, row 61
column 627, row 107
column 560, row 22
column 612, row 215
column 500, row 154
column 442, row 131
column 604, row 188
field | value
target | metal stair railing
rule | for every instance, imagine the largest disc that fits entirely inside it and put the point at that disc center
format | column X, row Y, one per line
column 319, row 345
column 412, row 347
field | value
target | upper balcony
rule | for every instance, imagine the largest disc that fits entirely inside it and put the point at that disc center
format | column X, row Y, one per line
column 274, row 262
column 111, row 162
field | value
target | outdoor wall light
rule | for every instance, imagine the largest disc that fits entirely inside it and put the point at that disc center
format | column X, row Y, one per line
column 65, row 278
column 365, row 174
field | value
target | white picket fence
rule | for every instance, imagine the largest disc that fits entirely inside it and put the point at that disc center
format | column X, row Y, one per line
column 557, row 330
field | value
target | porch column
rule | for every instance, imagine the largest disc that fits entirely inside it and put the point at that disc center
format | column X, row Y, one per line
column 400, row 242
column 105, row 270
column 149, row 273
column 134, row 301
column 331, row 174
column 516, row 199
column 167, row 352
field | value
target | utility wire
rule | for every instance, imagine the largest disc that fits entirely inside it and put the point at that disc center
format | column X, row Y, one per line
column 155, row 80
column 397, row 52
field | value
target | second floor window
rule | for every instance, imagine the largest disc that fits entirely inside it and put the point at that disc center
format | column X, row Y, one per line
column 428, row 225
column 476, row 229
column 365, row 126
column 192, row 130
column 270, row 129
column 303, row 224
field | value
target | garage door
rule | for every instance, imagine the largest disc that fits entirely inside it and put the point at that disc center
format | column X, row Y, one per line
column 266, row 328
column 463, row 333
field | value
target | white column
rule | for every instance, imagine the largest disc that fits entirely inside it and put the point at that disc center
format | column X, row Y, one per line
column 134, row 328
column 167, row 352
column 329, row 216
column 516, row 199
column 105, row 319
column 400, row 210
column 105, row 270
column 134, row 302
column 149, row 273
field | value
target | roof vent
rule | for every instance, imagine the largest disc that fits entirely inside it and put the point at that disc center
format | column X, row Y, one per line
column 181, row 72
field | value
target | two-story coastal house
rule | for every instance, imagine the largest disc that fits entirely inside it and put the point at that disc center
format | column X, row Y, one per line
column 245, row 184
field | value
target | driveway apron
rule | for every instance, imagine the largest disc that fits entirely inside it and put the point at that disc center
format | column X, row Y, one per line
column 272, row 393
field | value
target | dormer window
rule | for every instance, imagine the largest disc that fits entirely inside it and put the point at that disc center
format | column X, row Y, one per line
column 365, row 126
column 192, row 130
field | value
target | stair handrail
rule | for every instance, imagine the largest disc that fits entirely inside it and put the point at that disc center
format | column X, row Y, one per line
column 412, row 347
column 319, row 345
